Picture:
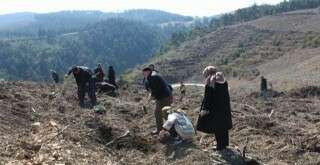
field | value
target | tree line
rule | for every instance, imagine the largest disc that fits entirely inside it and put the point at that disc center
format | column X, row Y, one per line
column 258, row 11
column 118, row 42
column 62, row 39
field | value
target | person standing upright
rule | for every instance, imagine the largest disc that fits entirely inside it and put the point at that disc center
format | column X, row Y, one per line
column 182, row 91
column 112, row 76
column 99, row 73
column 215, row 112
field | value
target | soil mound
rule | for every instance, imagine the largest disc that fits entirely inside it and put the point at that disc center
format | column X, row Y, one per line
column 305, row 92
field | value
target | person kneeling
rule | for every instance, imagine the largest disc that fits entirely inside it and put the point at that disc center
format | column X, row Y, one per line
column 177, row 126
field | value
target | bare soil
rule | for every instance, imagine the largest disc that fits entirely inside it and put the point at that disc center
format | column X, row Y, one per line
column 277, row 128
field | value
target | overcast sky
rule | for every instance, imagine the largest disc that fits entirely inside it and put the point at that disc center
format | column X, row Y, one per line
column 185, row 7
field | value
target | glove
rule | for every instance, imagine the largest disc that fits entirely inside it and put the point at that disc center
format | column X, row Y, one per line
column 149, row 98
column 163, row 136
column 204, row 113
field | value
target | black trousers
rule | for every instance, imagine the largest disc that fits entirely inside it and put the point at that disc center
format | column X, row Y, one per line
column 222, row 138
column 91, row 89
column 173, row 132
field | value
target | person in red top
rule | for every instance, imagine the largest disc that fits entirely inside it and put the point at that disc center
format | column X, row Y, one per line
column 99, row 73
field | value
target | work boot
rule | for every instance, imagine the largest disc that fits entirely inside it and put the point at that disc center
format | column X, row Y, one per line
column 177, row 142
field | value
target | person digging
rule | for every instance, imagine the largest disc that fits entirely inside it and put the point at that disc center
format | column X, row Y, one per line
column 177, row 127
column 161, row 91
column 85, row 82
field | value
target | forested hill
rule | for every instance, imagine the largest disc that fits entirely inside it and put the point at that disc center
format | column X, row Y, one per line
column 118, row 42
column 31, row 44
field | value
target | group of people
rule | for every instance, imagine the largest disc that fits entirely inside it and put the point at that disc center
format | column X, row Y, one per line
column 87, row 81
column 215, row 112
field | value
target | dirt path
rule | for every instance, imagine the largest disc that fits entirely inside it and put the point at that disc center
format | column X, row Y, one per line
column 176, row 85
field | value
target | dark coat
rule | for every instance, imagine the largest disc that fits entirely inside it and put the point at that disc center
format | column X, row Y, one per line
column 83, row 77
column 217, row 103
column 111, row 76
column 55, row 76
column 160, row 89
column 145, row 81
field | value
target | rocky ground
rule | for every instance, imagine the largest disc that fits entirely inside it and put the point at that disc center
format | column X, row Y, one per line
column 42, row 124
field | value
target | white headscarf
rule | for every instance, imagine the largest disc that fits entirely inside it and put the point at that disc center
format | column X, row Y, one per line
column 209, row 73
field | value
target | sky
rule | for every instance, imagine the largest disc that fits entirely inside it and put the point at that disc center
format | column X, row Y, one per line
column 184, row 7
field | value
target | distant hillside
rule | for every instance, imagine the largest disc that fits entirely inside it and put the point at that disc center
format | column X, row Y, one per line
column 26, row 24
column 302, row 20
column 118, row 42
column 31, row 44
column 153, row 16
column 258, row 11
column 254, row 12
column 18, row 19
column 248, row 50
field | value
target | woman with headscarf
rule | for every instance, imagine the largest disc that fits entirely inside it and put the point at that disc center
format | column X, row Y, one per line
column 215, row 112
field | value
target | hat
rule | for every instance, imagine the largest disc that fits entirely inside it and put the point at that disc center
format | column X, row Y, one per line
column 146, row 69
column 220, row 78
column 151, row 66
column 167, row 110
column 209, row 70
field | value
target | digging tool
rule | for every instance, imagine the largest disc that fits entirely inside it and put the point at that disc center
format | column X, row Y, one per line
column 270, row 114
column 60, row 132
column 144, row 107
column 118, row 138
column 49, row 140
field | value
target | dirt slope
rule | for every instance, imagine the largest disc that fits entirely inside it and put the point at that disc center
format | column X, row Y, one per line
column 70, row 135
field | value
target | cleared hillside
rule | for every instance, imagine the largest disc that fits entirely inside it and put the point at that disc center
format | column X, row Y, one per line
column 301, row 20
column 42, row 124
column 242, row 51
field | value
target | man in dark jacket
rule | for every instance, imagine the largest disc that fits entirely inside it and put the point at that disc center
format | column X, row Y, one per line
column 161, row 91
column 99, row 73
column 112, row 76
column 85, row 83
